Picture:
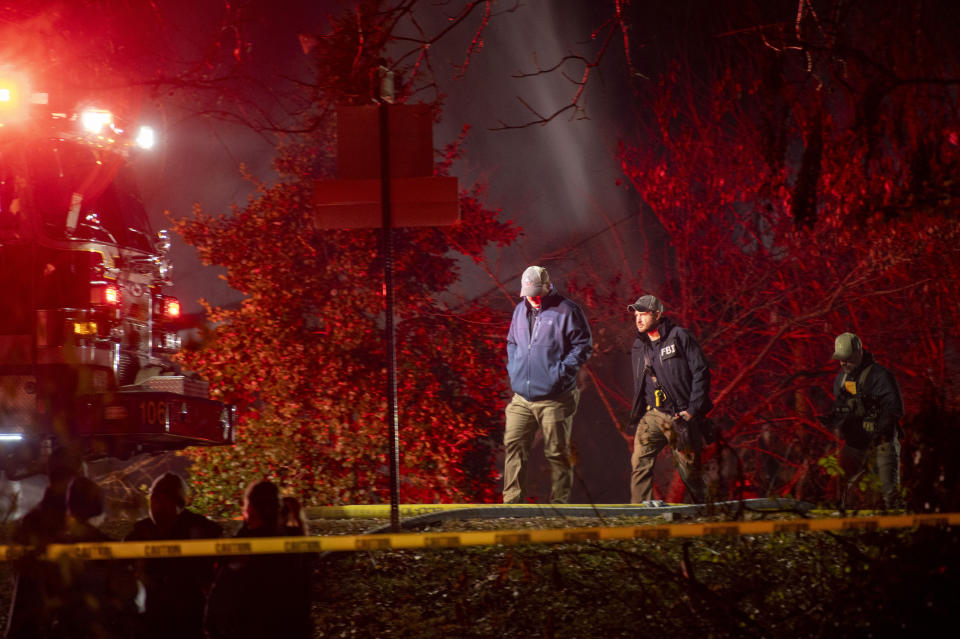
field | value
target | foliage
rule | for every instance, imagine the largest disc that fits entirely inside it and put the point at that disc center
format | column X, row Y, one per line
column 849, row 584
column 304, row 355
column 804, row 187
column 784, row 585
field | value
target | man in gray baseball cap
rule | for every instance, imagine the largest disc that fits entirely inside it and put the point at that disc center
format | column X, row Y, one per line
column 535, row 282
column 548, row 342
column 866, row 415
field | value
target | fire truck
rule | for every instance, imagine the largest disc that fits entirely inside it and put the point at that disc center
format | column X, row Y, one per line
column 86, row 328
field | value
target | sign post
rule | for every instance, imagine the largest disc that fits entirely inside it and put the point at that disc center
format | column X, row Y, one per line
column 393, row 412
column 391, row 187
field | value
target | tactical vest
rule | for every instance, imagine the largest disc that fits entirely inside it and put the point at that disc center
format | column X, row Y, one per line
column 856, row 404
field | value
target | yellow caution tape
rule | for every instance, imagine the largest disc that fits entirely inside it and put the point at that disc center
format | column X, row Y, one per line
column 397, row 541
column 381, row 511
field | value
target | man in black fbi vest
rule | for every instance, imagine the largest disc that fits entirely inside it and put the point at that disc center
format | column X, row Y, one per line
column 671, row 398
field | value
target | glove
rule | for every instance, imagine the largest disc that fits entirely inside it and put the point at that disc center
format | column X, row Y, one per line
column 681, row 430
column 708, row 430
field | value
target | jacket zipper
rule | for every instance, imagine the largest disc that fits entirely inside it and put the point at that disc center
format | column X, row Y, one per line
column 536, row 325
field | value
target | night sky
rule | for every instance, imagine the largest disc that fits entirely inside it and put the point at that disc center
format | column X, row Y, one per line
column 559, row 181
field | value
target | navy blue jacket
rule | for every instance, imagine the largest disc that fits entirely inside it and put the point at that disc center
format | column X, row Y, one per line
column 544, row 364
column 685, row 376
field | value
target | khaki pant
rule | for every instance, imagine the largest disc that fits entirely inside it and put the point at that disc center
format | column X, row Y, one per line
column 655, row 431
column 555, row 418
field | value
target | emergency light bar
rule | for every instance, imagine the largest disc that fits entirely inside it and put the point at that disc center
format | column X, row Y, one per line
column 96, row 124
column 100, row 122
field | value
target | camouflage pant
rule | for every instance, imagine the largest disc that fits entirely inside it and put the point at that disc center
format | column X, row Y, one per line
column 856, row 461
column 655, row 431
column 555, row 418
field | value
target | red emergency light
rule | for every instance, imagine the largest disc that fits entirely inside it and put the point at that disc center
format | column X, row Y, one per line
column 105, row 295
column 171, row 308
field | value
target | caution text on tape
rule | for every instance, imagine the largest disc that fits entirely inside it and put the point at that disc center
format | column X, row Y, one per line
column 399, row 541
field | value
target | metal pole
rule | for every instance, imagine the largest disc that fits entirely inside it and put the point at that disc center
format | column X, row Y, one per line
column 393, row 417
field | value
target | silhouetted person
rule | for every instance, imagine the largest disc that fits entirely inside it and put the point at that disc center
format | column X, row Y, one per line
column 259, row 596
column 30, row 605
column 176, row 589
column 96, row 597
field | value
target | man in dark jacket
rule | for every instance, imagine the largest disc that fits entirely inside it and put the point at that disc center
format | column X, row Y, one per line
column 867, row 412
column 176, row 589
column 32, row 601
column 93, row 599
column 257, row 596
column 549, row 340
column 671, row 398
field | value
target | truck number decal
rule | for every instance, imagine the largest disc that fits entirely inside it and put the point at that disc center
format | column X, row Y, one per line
column 153, row 413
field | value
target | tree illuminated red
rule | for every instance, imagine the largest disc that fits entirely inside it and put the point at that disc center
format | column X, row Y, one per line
column 800, row 188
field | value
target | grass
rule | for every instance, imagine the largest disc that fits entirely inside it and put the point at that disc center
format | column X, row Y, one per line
column 856, row 584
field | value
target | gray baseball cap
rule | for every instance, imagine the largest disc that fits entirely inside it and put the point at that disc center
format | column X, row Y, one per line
column 646, row 303
column 846, row 346
column 534, row 281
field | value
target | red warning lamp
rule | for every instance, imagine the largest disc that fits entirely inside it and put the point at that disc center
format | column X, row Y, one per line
column 105, row 295
column 171, row 308
column 111, row 295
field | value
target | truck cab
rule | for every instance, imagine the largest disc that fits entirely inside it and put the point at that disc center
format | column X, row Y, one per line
column 86, row 326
